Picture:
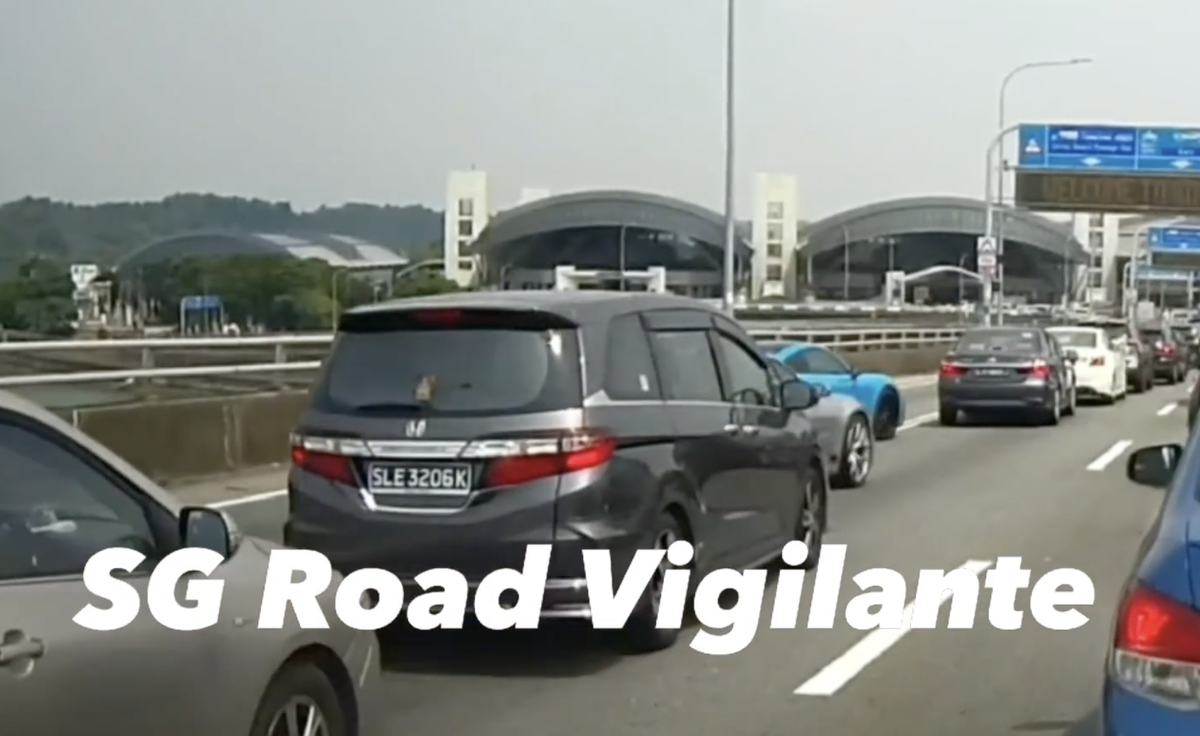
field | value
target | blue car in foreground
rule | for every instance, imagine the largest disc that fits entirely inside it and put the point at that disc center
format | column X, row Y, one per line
column 1152, row 678
column 821, row 366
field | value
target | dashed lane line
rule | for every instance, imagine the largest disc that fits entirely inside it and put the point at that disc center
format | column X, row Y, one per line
column 1107, row 457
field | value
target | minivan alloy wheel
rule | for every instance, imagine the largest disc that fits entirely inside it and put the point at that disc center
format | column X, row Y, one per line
column 300, row 716
column 664, row 541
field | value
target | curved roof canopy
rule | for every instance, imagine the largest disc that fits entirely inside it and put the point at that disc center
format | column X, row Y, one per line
column 606, row 208
column 915, row 215
column 340, row 251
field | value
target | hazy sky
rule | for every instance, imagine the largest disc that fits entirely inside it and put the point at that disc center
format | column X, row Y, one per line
column 328, row 101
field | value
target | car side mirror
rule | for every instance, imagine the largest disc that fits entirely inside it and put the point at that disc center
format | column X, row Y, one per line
column 1153, row 466
column 798, row 395
column 208, row 528
column 1071, row 356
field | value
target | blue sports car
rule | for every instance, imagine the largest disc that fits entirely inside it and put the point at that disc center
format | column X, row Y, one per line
column 823, row 367
column 1152, row 675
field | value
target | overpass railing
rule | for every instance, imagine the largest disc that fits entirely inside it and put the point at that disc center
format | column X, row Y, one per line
column 873, row 339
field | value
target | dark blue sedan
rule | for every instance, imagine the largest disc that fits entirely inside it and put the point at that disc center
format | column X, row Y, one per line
column 1152, row 678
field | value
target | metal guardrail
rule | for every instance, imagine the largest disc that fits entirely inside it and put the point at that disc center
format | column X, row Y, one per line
column 847, row 340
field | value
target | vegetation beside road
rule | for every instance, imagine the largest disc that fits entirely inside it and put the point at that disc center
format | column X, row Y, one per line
column 41, row 238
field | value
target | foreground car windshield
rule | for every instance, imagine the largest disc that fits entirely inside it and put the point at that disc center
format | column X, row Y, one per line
column 1006, row 341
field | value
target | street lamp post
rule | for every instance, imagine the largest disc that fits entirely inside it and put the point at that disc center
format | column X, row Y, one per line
column 1001, row 124
column 729, row 283
column 989, row 219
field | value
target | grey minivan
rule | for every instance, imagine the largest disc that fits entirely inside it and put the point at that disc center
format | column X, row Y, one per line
column 452, row 431
column 65, row 497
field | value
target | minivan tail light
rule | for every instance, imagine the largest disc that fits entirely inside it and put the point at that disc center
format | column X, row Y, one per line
column 1156, row 648
column 568, row 454
column 439, row 317
column 327, row 457
column 329, row 466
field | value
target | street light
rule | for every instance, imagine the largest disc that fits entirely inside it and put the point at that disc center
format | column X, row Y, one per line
column 728, row 283
column 989, row 219
column 1002, row 122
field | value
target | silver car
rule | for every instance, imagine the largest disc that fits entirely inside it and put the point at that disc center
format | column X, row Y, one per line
column 65, row 497
column 843, row 429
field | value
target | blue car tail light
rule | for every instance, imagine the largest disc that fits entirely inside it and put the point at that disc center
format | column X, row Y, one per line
column 1156, row 649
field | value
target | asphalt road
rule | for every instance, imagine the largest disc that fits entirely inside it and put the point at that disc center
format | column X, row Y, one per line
column 1056, row 496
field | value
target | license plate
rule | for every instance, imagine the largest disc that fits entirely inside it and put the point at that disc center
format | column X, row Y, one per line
column 991, row 371
column 419, row 478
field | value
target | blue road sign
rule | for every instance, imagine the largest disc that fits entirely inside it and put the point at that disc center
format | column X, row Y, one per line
column 1154, row 273
column 1174, row 240
column 200, row 303
column 1110, row 149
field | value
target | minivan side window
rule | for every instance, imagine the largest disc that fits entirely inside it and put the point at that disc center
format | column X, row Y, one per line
column 686, row 365
column 56, row 510
column 629, row 371
column 748, row 381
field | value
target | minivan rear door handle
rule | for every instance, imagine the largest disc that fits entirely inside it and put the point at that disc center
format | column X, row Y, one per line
column 23, row 649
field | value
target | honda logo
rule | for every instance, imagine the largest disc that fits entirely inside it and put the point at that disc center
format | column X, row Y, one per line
column 415, row 428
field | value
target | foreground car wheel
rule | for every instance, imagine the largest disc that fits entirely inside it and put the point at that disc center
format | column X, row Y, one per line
column 641, row 634
column 300, row 701
column 947, row 416
column 858, row 454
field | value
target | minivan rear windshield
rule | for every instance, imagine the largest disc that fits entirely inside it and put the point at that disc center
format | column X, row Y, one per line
column 460, row 371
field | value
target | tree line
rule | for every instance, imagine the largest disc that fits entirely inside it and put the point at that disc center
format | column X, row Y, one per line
column 40, row 238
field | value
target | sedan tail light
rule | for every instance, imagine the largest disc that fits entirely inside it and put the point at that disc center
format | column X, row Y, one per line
column 1039, row 371
column 1097, row 362
column 952, row 370
column 1156, row 649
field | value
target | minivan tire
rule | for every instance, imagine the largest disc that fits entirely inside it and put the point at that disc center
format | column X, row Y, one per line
column 641, row 634
column 299, row 681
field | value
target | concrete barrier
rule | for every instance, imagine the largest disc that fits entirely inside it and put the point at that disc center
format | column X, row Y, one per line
column 191, row 438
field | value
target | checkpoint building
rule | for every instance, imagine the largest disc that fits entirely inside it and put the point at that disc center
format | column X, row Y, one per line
column 588, row 239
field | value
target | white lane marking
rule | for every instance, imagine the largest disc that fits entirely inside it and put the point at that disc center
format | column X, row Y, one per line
column 1108, row 456
column 1168, row 409
column 252, row 498
column 835, row 675
column 268, row 495
column 917, row 421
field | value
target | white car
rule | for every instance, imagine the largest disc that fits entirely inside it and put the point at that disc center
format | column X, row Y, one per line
column 1100, row 370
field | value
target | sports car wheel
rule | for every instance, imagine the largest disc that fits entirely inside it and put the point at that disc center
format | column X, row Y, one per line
column 887, row 415
column 858, row 454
